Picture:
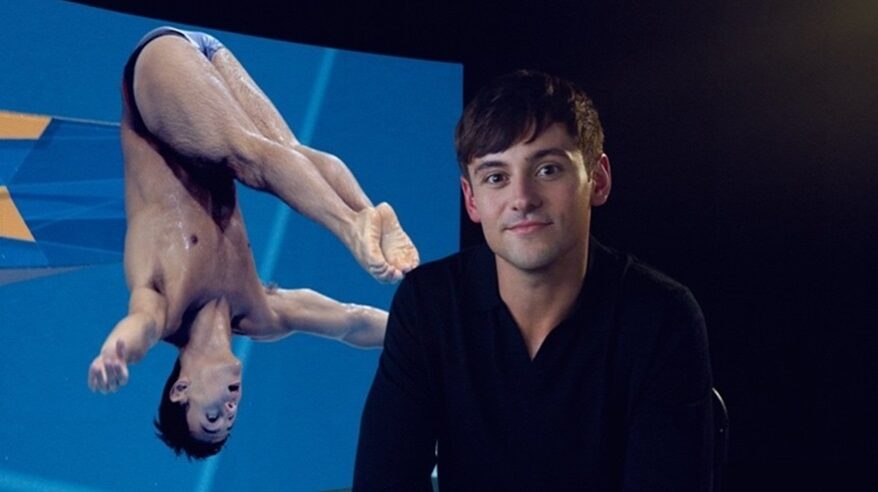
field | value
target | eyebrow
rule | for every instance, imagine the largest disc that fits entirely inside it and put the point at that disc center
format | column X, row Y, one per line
column 488, row 165
column 547, row 152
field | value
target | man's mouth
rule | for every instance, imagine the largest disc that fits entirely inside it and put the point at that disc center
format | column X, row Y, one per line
column 527, row 226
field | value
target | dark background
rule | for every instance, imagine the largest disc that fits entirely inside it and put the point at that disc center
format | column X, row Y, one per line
column 741, row 136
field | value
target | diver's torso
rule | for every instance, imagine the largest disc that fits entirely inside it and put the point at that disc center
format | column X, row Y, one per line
column 186, row 237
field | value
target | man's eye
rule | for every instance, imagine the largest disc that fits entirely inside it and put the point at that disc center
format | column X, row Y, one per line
column 548, row 170
column 494, row 178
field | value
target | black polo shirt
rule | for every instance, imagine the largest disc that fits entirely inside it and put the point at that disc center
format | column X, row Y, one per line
column 616, row 398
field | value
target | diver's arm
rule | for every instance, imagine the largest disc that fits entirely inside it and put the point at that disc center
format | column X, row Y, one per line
column 307, row 311
column 130, row 340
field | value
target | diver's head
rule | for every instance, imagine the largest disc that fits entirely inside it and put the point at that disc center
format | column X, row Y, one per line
column 198, row 408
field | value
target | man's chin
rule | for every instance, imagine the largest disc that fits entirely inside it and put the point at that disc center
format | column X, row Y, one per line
column 530, row 261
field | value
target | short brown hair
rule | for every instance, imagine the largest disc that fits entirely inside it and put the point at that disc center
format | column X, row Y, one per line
column 520, row 106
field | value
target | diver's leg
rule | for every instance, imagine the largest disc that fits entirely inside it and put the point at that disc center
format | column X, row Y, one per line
column 268, row 120
column 185, row 102
column 396, row 246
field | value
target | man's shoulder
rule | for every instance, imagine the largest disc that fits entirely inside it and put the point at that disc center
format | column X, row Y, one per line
column 653, row 310
column 642, row 283
column 457, row 281
column 452, row 268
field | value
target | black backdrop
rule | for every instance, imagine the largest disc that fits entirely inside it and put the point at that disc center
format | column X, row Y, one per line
column 741, row 138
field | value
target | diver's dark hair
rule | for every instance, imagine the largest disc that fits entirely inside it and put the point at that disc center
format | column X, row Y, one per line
column 172, row 428
column 519, row 106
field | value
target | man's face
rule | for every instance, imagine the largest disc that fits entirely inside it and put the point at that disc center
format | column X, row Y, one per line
column 212, row 397
column 211, row 413
column 534, row 201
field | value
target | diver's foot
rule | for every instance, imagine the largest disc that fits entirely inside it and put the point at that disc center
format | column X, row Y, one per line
column 397, row 247
column 366, row 245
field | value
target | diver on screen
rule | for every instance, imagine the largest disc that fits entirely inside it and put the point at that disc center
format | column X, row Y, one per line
column 193, row 123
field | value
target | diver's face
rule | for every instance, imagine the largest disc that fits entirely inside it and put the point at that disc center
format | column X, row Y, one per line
column 212, row 397
column 211, row 412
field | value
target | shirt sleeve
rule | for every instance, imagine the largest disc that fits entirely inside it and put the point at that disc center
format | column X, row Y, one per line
column 396, row 449
column 670, row 433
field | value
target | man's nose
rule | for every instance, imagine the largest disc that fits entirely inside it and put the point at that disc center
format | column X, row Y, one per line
column 525, row 195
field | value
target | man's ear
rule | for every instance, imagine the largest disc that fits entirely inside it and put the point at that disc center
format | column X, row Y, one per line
column 602, row 181
column 180, row 391
column 467, row 189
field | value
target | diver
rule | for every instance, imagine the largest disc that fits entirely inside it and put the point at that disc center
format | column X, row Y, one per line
column 193, row 123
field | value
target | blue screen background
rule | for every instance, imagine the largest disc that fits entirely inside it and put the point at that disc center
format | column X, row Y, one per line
column 390, row 119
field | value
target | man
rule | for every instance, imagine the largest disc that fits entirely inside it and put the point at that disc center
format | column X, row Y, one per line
column 544, row 361
column 193, row 122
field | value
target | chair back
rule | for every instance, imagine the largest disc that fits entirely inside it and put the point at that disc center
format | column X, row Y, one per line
column 720, row 439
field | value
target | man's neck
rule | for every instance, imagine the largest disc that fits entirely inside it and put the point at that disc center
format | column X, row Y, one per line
column 211, row 333
column 540, row 300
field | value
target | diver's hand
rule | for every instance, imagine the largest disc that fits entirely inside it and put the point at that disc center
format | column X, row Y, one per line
column 109, row 370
